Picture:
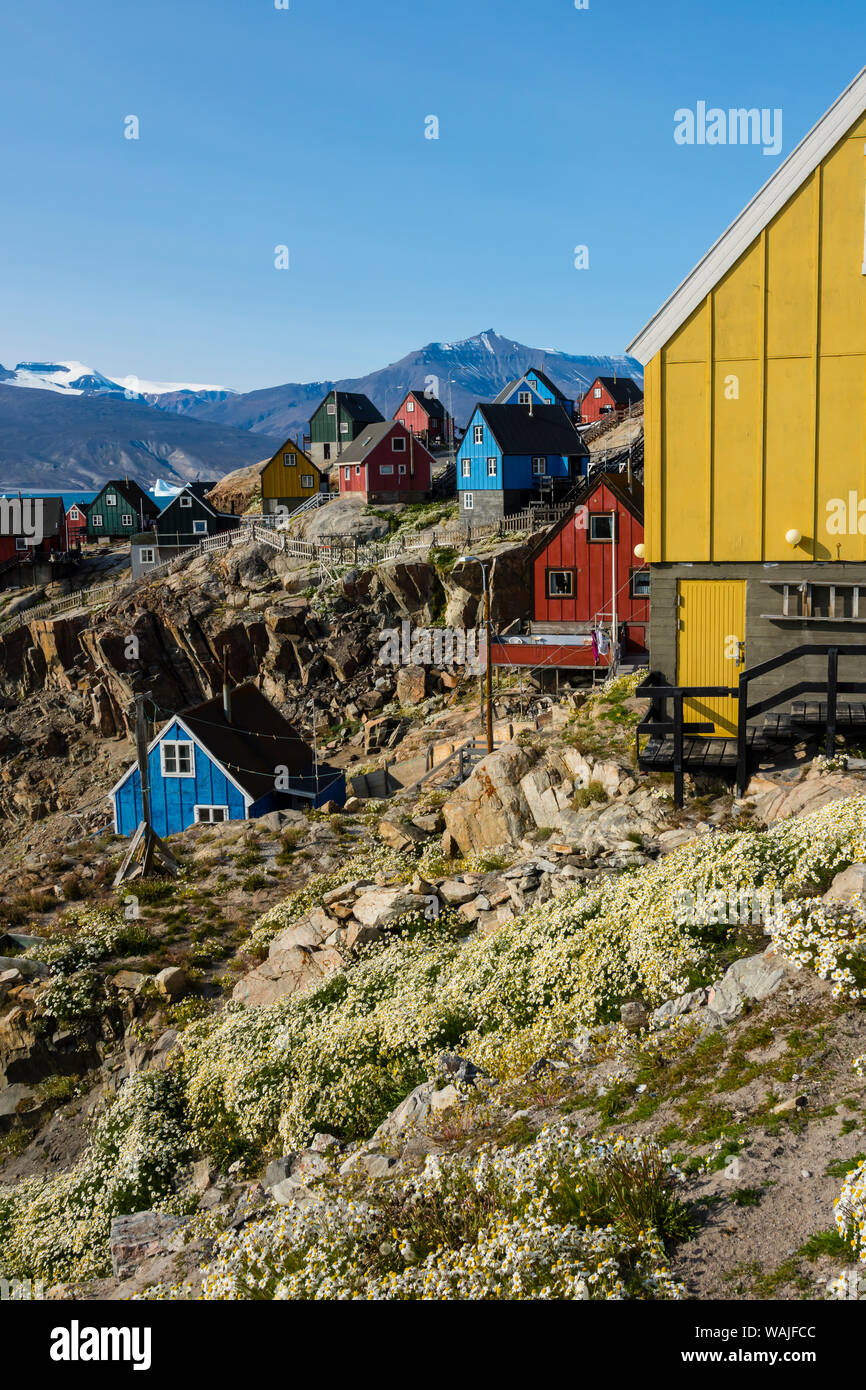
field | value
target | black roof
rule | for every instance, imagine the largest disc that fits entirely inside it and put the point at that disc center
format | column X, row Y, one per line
column 546, row 429
column 132, row 492
column 360, row 407
column 53, row 512
column 623, row 389
column 431, row 404
column 257, row 741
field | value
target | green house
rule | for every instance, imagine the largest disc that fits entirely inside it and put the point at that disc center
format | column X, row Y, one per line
column 190, row 518
column 339, row 420
column 121, row 509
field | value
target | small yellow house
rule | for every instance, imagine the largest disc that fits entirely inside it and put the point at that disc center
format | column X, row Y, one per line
column 290, row 478
column 755, row 444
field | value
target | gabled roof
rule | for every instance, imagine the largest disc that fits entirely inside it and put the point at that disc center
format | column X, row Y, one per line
column 776, row 192
column 624, row 390
column 360, row 407
column 546, row 430
column 506, row 391
column 369, row 439
column 431, row 404
column 617, row 483
column 291, row 447
column 132, row 492
column 196, row 490
column 257, row 741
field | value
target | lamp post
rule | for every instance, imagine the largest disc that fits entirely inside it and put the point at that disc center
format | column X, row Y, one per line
column 465, row 559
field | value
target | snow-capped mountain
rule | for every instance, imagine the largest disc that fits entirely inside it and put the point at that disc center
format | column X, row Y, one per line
column 72, row 378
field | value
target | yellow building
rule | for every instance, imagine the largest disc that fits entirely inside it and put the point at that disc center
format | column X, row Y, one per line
column 755, row 400
column 290, row 478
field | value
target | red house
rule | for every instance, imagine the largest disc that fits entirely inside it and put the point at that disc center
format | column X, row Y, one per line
column 76, row 524
column 32, row 529
column 386, row 463
column 609, row 395
column 426, row 417
column 586, row 582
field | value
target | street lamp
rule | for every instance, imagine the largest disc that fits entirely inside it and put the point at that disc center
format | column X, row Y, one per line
column 465, row 560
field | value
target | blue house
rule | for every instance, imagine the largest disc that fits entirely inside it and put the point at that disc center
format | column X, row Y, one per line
column 232, row 758
column 534, row 388
column 511, row 455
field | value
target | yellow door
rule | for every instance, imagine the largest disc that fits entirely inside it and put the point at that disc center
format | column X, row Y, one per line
column 711, row 645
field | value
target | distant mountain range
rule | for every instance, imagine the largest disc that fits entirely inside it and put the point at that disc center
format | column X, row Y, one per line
column 71, row 426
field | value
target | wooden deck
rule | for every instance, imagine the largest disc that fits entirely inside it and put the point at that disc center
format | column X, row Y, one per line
column 699, row 754
column 811, row 715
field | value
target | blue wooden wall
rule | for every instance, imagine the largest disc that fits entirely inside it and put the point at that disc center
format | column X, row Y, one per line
column 172, row 799
column 512, row 471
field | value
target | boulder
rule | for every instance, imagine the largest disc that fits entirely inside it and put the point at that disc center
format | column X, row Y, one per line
column 490, row 810
column 379, row 907
column 134, row 1239
column 172, row 982
column 850, row 883
column 411, row 685
column 287, row 970
column 400, row 835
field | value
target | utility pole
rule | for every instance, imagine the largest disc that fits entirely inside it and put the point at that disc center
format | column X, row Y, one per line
column 464, row 559
column 145, row 843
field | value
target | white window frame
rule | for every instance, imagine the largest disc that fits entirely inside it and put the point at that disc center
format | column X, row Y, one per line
column 21, row 543
column 199, row 527
column 386, row 468
column 185, row 500
column 210, row 818
column 466, row 467
column 176, row 744
column 597, row 393
column 468, row 501
column 289, row 460
column 74, row 513
column 147, row 555
column 307, row 480
column 347, row 474
column 332, row 409
column 401, row 467
column 357, row 470
column 127, row 519
column 492, row 467
column 398, row 444
column 97, row 519
column 539, row 466
column 410, row 407
column 478, row 434
column 524, row 398
column 344, row 427
column 635, row 591
column 111, row 499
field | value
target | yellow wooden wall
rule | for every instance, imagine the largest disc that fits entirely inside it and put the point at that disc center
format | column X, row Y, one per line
column 280, row 480
column 727, row 478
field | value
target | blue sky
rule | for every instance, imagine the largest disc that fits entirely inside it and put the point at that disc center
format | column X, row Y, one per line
column 305, row 127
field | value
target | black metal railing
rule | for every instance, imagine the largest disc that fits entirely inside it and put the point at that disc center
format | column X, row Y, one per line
column 657, row 721
column 832, row 688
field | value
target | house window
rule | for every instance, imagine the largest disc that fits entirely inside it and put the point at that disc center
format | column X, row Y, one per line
column 73, row 514
column 524, row 397
column 209, row 815
column 357, row 470
column 307, row 480
column 199, row 528
column 177, row 759
column 640, row 583
column 111, row 500
column 560, row 583
column 398, row 445
column 601, row 526
column 466, row 467
column 491, row 468
column 597, row 393
column 127, row 519
column 468, row 501
column 97, row 520
column 386, row 468
column 478, row 434
column 326, row 451
column 410, row 407
column 21, row 543
column 186, row 500
column 344, row 427
column 289, row 460
column 539, row 467
column 146, row 555
column 347, row 473
column 332, row 409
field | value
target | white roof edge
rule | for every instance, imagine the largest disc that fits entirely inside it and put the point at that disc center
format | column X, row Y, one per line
column 749, row 224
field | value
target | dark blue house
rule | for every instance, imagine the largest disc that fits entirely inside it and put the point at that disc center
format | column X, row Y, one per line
column 511, row 455
column 534, row 388
column 233, row 758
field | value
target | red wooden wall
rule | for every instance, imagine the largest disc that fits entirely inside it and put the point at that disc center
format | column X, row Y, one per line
column 572, row 549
